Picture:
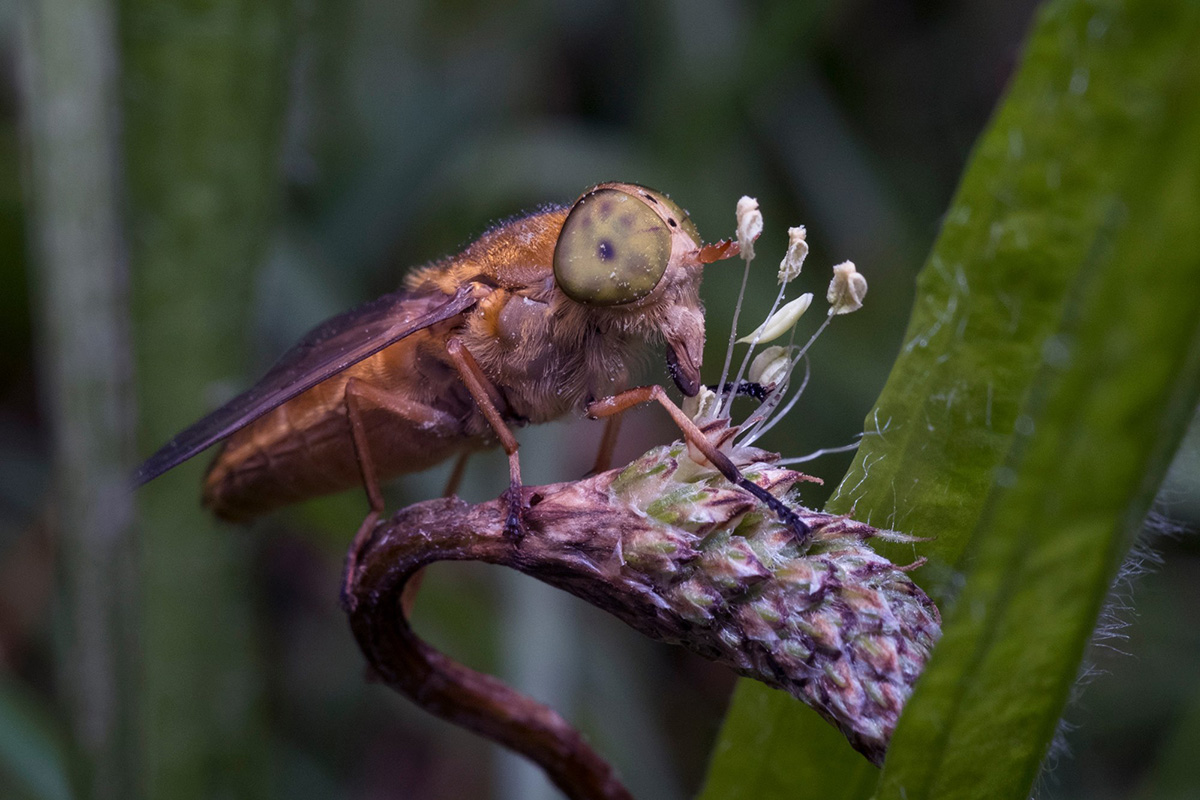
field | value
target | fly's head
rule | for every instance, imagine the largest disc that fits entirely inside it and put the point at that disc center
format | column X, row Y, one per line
column 630, row 260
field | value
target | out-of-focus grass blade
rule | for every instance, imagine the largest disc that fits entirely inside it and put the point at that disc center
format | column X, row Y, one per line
column 205, row 87
column 1049, row 368
column 33, row 757
column 1174, row 776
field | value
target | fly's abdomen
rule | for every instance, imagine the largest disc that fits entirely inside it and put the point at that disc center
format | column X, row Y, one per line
column 271, row 464
column 305, row 449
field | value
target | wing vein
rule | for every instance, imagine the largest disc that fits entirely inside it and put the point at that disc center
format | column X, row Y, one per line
column 328, row 349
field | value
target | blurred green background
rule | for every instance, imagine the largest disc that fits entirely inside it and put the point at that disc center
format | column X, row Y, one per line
column 280, row 161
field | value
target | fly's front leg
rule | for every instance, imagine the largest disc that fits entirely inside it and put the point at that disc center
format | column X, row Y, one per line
column 485, row 396
column 359, row 397
column 619, row 403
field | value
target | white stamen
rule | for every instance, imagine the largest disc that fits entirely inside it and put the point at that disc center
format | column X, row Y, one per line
column 846, row 290
column 772, row 369
column 749, row 225
column 727, row 406
column 701, row 405
column 769, row 366
column 781, row 321
column 793, row 261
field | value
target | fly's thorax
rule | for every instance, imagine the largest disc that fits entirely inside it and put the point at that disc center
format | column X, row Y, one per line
column 515, row 254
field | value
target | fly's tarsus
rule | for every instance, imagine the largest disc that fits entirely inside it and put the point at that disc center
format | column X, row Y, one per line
column 801, row 529
column 514, row 521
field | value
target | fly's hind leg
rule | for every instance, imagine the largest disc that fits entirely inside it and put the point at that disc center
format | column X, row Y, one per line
column 608, row 444
column 619, row 403
column 456, row 474
column 488, row 399
column 360, row 397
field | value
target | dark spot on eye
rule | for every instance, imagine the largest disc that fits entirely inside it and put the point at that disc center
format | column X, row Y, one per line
column 671, row 221
column 605, row 250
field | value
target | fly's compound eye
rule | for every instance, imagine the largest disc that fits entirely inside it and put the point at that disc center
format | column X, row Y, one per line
column 613, row 249
column 676, row 216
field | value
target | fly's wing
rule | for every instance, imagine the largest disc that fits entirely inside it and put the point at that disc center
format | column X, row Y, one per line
column 327, row 350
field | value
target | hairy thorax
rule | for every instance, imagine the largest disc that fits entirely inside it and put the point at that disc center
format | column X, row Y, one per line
column 545, row 366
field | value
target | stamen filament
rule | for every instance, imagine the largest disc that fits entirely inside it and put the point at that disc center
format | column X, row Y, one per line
column 765, row 409
column 727, row 402
column 766, row 423
column 737, row 310
column 803, row 352
column 824, row 451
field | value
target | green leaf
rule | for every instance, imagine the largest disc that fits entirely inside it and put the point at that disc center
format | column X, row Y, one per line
column 1051, row 364
column 771, row 746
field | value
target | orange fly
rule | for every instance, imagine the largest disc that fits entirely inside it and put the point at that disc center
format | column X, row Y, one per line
column 537, row 318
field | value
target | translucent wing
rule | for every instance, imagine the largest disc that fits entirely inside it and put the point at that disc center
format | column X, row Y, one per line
column 327, row 350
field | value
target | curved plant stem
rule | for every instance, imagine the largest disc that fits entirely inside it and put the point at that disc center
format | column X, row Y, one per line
column 451, row 530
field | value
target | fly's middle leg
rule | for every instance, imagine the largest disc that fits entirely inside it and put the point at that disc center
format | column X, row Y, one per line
column 487, row 398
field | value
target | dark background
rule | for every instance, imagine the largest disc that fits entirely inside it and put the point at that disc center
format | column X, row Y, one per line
column 410, row 128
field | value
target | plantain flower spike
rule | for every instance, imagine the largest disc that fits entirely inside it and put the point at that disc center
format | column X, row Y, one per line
column 749, row 226
column 829, row 620
column 793, row 260
column 846, row 290
column 781, row 321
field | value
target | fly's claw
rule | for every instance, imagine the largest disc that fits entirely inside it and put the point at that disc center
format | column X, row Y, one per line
column 514, row 523
column 800, row 529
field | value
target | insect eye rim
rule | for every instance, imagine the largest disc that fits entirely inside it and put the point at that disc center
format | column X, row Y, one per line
column 580, row 285
column 675, row 215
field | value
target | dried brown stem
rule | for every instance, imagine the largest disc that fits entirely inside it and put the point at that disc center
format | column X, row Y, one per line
column 452, row 530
